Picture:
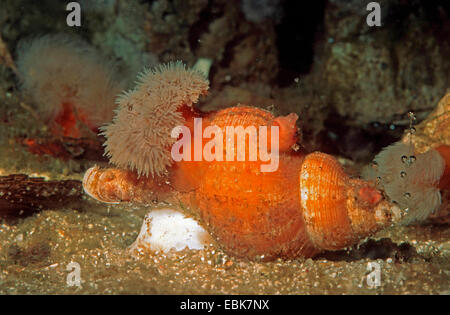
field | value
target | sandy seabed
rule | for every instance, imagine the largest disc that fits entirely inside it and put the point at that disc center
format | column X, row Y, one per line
column 35, row 251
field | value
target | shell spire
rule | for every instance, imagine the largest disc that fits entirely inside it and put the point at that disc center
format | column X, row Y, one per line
column 338, row 211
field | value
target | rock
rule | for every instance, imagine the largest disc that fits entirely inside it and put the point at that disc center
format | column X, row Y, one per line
column 379, row 74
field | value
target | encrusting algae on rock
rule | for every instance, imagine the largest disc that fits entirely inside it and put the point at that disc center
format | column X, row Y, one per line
column 305, row 205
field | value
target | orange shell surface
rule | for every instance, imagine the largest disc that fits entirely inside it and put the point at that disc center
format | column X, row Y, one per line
column 338, row 211
column 288, row 131
column 323, row 191
column 246, row 116
column 253, row 214
column 241, row 116
column 116, row 185
column 184, row 174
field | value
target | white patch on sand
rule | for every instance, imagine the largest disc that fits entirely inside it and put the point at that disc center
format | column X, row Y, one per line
column 164, row 230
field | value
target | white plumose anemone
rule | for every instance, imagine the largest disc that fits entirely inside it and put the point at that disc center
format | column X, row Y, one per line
column 139, row 137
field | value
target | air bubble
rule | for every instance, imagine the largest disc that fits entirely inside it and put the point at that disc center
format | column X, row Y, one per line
column 378, row 181
column 412, row 159
column 412, row 116
column 404, row 159
column 412, row 130
column 374, row 165
column 403, row 174
column 407, row 195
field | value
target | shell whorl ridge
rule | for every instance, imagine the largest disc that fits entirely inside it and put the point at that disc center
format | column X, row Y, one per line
column 253, row 214
column 139, row 136
column 248, row 116
column 338, row 211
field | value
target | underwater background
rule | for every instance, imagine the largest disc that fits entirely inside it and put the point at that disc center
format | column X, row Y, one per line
column 351, row 84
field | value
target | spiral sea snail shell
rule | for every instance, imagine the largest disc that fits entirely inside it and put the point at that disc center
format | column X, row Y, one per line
column 307, row 205
column 304, row 207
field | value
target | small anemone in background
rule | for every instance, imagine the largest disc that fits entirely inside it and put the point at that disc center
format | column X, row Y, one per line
column 69, row 81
